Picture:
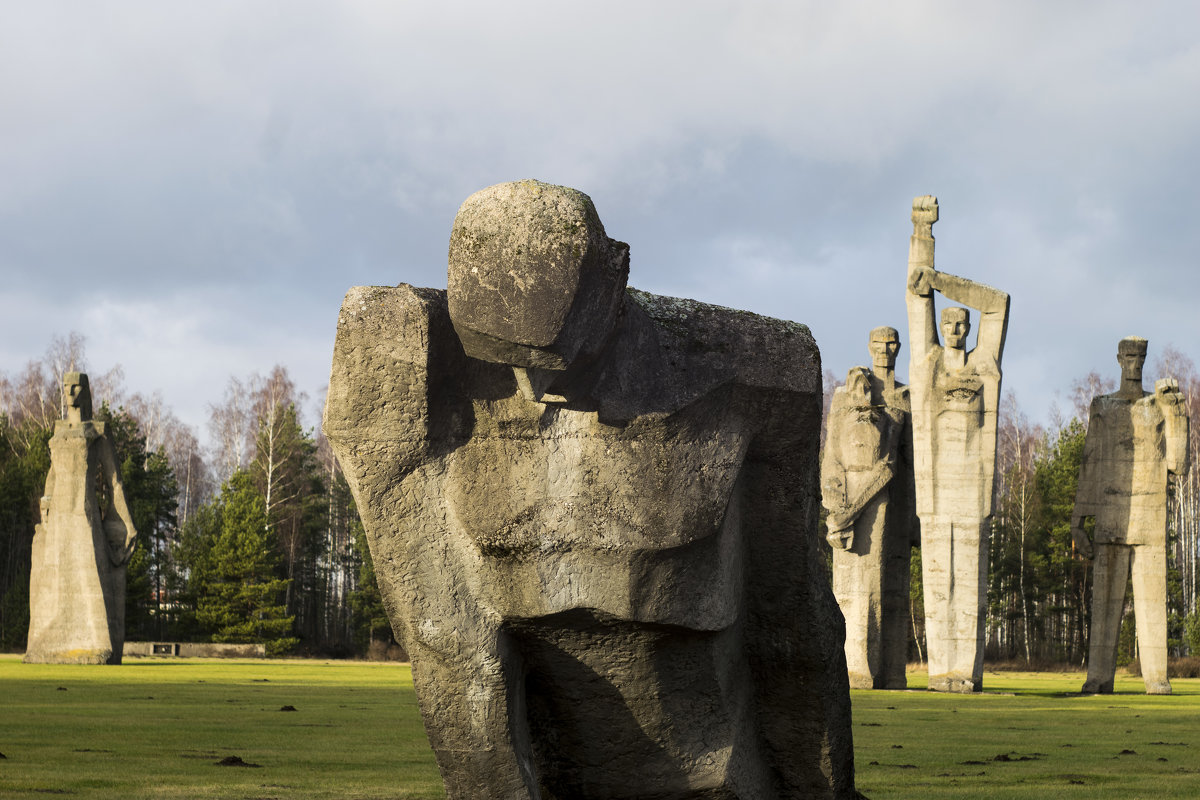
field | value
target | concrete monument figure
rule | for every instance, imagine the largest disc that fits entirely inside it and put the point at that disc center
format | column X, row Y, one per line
column 1136, row 446
column 955, row 398
column 82, row 544
column 867, row 488
column 593, row 514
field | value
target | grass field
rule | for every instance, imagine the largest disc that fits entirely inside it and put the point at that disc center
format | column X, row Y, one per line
column 154, row 728
column 1029, row 735
column 158, row 728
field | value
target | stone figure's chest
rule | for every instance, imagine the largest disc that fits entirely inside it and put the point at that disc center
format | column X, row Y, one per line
column 523, row 484
column 865, row 438
column 1133, row 433
column 961, row 391
column 74, row 470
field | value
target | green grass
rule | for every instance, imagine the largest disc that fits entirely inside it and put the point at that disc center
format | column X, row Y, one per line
column 156, row 728
column 1029, row 735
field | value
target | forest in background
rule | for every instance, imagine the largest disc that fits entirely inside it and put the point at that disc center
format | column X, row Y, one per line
column 254, row 538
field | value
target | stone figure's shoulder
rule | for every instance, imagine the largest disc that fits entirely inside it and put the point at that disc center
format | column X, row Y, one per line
column 389, row 341
column 900, row 398
column 406, row 314
column 839, row 403
column 713, row 344
column 1107, row 403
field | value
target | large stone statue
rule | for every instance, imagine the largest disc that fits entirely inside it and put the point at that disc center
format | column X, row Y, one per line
column 1137, row 443
column 955, row 398
column 81, row 546
column 867, row 488
column 593, row 514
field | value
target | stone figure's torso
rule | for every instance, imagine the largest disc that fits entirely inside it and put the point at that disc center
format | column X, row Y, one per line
column 954, row 432
column 74, row 466
column 1125, row 470
column 866, row 439
column 861, row 438
column 537, row 478
column 576, row 514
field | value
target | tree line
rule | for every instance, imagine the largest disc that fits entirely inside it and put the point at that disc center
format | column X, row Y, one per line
column 254, row 539
column 1039, row 587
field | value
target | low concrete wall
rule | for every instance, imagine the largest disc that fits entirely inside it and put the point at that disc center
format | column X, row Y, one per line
column 194, row 650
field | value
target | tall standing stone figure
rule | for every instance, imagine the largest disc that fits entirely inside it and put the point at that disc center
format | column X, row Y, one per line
column 1136, row 446
column 82, row 544
column 592, row 513
column 867, row 488
column 955, row 399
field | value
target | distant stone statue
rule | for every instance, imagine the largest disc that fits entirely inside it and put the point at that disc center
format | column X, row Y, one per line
column 867, row 489
column 593, row 515
column 82, row 544
column 955, row 398
column 1137, row 445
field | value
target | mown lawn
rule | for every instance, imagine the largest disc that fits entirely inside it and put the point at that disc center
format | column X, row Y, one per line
column 158, row 728
column 155, row 728
column 1029, row 735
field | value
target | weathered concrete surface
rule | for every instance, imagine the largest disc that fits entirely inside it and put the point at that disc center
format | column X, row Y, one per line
column 955, row 398
column 1137, row 443
column 193, row 650
column 81, row 546
column 601, row 555
column 867, row 488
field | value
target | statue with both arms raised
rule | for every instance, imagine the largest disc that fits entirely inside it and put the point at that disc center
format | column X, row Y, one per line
column 955, row 398
column 1136, row 447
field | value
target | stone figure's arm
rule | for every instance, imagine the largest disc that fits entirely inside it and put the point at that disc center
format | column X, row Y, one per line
column 905, row 471
column 1174, row 409
column 846, row 516
column 1087, row 492
column 393, row 353
column 880, row 476
column 118, row 522
column 47, row 495
column 922, row 328
column 833, row 471
column 992, row 305
column 391, row 408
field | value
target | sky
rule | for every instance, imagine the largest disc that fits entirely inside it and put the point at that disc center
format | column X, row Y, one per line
column 194, row 187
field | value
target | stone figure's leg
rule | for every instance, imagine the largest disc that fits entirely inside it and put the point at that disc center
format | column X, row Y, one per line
column 858, row 587
column 954, row 569
column 972, row 589
column 847, row 587
column 1149, row 564
column 895, row 619
column 1110, row 573
column 474, row 713
column 936, row 582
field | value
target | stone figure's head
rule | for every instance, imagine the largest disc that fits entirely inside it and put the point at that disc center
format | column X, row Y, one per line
column 858, row 387
column 1131, row 355
column 534, row 281
column 77, row 396
column 956, row 324
column 884, row 345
